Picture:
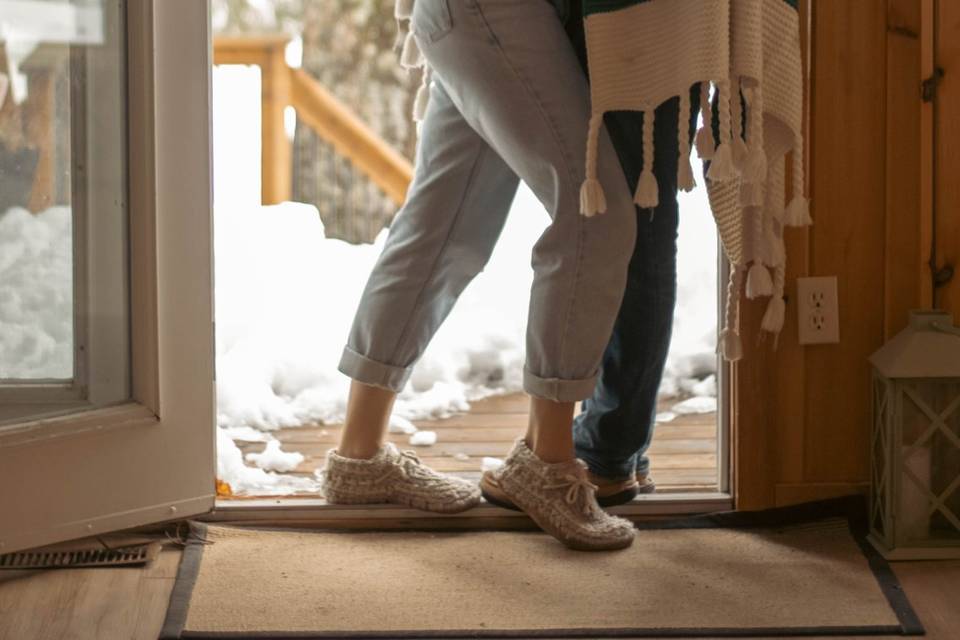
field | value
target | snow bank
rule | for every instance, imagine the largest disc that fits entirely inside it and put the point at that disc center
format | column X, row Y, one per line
column 423, row 438
column 36, row 296
column 273, row 459
column 244, row 479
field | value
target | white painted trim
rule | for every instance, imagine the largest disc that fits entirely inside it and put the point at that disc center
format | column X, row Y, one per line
column 155, row 513
column 724, row 389
column 101, row 479
column 77, row 424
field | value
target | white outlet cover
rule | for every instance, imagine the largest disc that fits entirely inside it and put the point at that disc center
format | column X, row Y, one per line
column 818, row 313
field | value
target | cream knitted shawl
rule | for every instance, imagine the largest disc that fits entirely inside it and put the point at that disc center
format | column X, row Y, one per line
column 641, row 53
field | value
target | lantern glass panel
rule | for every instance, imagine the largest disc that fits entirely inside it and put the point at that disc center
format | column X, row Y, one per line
column 929, row 496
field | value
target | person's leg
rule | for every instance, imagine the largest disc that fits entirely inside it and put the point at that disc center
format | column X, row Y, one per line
column 614, row 429
column 510, row 69
column 441, row 238
column 616, row 425
column 365, row 426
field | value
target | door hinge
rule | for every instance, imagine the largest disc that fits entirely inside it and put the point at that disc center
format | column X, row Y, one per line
column 928, row 88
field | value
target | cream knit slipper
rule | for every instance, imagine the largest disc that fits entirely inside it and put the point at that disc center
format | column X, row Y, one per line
column 561, row 500
column 392, row 476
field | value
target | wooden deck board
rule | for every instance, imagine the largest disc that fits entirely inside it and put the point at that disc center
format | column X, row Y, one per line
column 683, row 453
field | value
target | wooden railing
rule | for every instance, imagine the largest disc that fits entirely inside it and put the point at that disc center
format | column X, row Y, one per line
column 334, row 122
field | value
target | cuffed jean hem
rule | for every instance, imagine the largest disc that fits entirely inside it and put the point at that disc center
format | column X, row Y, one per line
column 377, row 374
column 557, row 389
column 606, row 470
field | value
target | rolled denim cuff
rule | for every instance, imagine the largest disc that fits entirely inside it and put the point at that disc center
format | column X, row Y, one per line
column 558, row 389
column 377, row 374
column 605, row 469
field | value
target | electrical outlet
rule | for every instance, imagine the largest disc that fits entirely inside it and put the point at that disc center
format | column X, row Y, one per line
column 818, row 311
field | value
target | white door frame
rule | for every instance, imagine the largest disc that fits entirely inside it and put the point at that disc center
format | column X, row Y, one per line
column 152, row 458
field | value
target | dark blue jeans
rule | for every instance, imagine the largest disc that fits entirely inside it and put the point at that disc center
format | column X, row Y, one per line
column 614, row 429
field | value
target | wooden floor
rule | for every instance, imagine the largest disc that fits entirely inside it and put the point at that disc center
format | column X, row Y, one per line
column 683, row 454
column 130, row 603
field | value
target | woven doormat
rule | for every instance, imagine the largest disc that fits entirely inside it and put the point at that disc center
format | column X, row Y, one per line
column 803, row 570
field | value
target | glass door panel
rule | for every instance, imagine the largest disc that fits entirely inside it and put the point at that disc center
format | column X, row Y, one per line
column 64, row 337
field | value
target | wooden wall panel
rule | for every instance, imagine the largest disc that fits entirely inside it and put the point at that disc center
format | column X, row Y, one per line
column 947, row 153
column 802, row 413
column 904, row 268
column 847, row 239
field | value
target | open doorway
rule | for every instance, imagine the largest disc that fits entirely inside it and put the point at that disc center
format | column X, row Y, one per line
column 288, row 275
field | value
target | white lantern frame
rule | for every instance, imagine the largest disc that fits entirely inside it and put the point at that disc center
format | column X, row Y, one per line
column 902, row 503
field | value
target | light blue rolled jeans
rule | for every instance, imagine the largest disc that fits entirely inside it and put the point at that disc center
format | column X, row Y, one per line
column 509, row 101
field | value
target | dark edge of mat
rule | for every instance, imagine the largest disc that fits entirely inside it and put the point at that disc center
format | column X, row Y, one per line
column 851, row 508
column 672, row 632
column 886, row 578
column 187, row 572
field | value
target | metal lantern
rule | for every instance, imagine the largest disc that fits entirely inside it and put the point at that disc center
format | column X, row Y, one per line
column 915, row 441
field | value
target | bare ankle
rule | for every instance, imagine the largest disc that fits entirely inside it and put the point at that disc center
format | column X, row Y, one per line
column 553, row 455
column 357, row 452
column 550, row 430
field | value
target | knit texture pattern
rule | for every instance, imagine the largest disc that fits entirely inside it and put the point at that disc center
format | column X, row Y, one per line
column 561, row 500
column 398, row 477
column 643, row 52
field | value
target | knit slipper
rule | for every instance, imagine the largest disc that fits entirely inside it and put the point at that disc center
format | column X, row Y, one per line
column 397, row 477
column 560, row 499
column 610, row 493
column 492, row 492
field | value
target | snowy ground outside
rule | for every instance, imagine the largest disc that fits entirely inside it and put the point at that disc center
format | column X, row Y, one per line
column 285, row 296
column 36, row 296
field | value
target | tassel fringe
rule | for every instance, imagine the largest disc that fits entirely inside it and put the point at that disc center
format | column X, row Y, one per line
column 759, row 282
column 798, row 213
column 647, row 194
column 420, row 102
column 685, row 179
column 410, row 56
column 705, row 142
column 403, row 9
column 721, row 166
column 592, row 199
column 729, row 344
column 774, row 315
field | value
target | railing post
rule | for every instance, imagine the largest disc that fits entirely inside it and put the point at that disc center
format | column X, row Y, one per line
column 276, row 170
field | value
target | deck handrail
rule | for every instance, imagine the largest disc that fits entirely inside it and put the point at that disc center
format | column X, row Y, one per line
column 328, row 117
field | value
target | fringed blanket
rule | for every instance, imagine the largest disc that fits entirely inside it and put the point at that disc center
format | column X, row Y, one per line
column 641, row 53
